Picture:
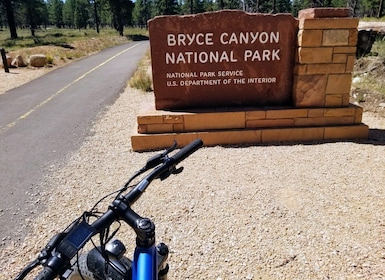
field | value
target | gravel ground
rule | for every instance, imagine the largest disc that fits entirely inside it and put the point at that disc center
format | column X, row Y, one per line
column 19, row 76
column 288, row 211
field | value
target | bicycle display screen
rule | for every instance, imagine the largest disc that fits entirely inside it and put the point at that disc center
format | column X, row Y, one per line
column 76, row 239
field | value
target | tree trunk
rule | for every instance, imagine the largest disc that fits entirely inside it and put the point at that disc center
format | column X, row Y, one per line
column 380, row 9
column 96, row 16
column 10, row 17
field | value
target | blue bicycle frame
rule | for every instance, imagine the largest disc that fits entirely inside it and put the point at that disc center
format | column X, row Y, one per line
column 144, row 264
column 149, row 262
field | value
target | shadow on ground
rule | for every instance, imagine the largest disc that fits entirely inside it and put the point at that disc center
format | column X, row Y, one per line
column 137, row 37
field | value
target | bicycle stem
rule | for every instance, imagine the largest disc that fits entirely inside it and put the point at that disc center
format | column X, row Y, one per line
column 143, row 227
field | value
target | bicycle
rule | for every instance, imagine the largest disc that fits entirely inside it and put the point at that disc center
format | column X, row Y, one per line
column 61, row 257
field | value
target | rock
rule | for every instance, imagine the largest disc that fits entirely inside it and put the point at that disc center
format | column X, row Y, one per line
column 18, row 61
column 9, row 61
column 38, row 60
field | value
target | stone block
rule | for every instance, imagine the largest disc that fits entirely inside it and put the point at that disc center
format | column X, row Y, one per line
column 347, row 132
column 328, row 23
column 347, row 50
column 173, row 118
column 338, row 83
column 230, row 137
column 203, row 121
column 310, row 38
column 309, row 90
column 255, row 115
column 270, row 123
column 142, row 128
column 327, row 68
column 345, row 99
column 340, row 112
column 149, row 119
column 292, row 134
column 340, row 58
column 146, row 142
column 353, row 37
column 286, row 113
column 315, row 55
column 350, row 63
column 358, row 114
column 300, row 69
column 336, row 37
column 160, row 128
column 323, row 121
column 333, row 100
column 323, row 13
column 314, row 113
column 178, row 127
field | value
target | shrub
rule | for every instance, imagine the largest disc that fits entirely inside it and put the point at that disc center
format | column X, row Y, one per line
column 141, row 80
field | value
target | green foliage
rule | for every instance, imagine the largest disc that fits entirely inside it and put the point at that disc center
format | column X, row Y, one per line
column 141, row 80
column 93, row 14
column 369, row 71
column 166, row 7
column 142, row 12
column 50, row 59
column 379, row 47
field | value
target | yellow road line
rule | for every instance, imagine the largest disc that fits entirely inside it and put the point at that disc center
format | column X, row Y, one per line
column 12, row 124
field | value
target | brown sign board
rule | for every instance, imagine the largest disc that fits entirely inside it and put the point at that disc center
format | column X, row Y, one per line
column 222, row 59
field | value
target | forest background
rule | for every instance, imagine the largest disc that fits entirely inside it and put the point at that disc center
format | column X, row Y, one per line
column 96, row 14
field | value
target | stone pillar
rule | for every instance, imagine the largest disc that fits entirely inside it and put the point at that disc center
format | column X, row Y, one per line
column 327, row 40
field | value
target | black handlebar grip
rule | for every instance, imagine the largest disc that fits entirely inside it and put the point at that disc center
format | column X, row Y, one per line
column 46, row 274
column 187, row 150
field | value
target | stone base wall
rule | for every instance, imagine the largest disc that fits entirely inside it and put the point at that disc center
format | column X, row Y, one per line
column 158, row 129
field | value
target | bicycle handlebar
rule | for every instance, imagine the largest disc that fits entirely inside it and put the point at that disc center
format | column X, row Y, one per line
column 164, row 170
column 117, row 210
column 187, row 151
column 46, row 274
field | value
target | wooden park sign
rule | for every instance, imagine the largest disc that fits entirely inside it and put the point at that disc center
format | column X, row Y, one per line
column 222, row 59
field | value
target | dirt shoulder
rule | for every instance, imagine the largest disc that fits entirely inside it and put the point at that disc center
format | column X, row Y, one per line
column 257, row 212
column 19, row 76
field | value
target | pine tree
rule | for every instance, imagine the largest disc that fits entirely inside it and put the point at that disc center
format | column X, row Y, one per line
column 142, row 12
column 8, row 7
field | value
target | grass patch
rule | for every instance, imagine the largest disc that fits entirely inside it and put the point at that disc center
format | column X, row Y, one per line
column 378, row 47
column 369, row 74
column 137, row 34
column 62, row 45
column 52, row 36
column 142, row 78
column 369, row 71
column 368, row 19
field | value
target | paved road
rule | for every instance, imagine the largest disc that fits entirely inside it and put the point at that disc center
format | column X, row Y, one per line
column 48, row 118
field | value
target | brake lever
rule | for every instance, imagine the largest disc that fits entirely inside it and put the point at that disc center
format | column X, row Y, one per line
column 172, row 148
column 167, row 174
column 159, row 158
column 46, row 252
